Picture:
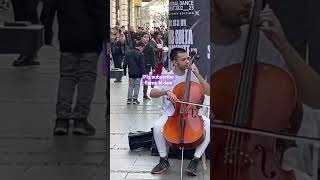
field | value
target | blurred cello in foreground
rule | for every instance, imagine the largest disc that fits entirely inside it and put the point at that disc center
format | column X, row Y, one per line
column 256, row 96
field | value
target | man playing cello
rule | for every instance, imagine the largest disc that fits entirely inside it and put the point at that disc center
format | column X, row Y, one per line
column 180, row 60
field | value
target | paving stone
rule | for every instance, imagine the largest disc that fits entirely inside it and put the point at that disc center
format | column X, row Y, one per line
column 61, row 173
column 115, row 176
column 166, row 176
column 122, row 162
column 100, row 173
column 12, row 173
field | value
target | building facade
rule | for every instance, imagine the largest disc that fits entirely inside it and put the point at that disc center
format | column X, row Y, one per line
column 125, row 13
column 155, row 14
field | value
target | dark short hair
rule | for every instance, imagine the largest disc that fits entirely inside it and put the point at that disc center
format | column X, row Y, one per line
column 156, row 33
column 140, row 44
column 145, row 33
column 174, row 53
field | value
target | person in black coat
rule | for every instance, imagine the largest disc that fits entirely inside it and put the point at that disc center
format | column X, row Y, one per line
column 150, row 60
column 134, row 60
column 83, row 28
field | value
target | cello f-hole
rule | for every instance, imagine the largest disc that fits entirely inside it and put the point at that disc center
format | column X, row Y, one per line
column 193, row 113
column 263, row 163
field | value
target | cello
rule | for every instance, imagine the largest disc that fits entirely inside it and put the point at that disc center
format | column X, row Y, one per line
column 256, row 96
column 185, row 128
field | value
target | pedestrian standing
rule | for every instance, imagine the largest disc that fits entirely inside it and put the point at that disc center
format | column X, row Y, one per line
column 134, row 60
column 82, row 30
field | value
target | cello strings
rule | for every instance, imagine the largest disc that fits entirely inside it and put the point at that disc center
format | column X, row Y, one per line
column 251, row 72
column 247, row 75
column 239, row 108
column 237, row 118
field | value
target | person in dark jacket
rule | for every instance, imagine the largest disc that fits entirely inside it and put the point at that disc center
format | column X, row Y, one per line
column 150, row 60
column 128, row 37
column 133, row 36
column 134, row 60
column 118, row 47
column 82, row 30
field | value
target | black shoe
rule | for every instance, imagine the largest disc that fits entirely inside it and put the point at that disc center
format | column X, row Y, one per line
column 135, row 101
column 25, row 61
column 162, row 167
column 61, row 127
column 18, row 63
column 83, row 127
column 146, row 97
column 192, row 167
column 129, row 101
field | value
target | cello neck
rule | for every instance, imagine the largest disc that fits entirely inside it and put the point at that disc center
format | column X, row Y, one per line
column 186, row 92
column 243, row 102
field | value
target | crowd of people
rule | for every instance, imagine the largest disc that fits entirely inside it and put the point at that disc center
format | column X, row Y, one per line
column 142, row 52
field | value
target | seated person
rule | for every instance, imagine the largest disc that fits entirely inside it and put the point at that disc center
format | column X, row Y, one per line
column 180, row 60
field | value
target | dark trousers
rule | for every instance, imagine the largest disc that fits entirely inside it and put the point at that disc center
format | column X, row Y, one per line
column 77, row 70
column 117, row 60
column 26, row 10
column 145, row 88
column 47, row 16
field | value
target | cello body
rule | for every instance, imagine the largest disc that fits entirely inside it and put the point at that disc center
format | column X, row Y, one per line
column 185, row 128
column 193, row 124
column 274, row 99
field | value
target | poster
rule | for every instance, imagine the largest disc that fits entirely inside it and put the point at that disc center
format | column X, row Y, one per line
column 189, row 28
